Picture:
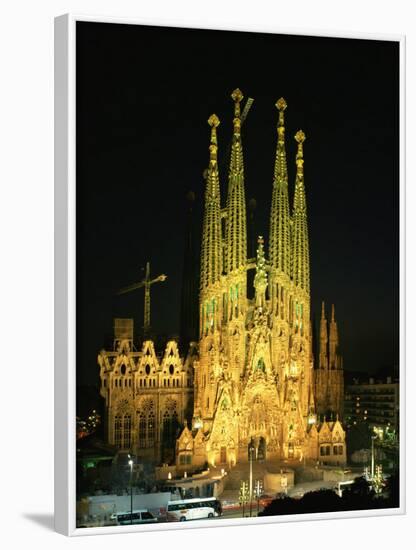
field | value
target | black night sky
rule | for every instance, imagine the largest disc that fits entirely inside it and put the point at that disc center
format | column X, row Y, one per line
column 144, row 95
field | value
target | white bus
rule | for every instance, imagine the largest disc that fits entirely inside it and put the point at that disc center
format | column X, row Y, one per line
column 193, row 508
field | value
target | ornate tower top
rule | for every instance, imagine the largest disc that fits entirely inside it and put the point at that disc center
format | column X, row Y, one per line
column 236, row 228
column 237, row 97
column 211, row 253
column 214, row 122
column 300, row 138
column 281, row 107
column 300, row 252
column 279, row 243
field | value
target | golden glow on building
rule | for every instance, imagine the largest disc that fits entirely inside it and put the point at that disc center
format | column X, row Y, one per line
column 252, row 372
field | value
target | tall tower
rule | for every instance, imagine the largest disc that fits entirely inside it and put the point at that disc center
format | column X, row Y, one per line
column 210, row 282
column 300, row 298
column 236, row 233
column 300, row 244
column 323, row 340
column 333, row 341
column 235, row 283
column 279, row 250
column 279, row 242
column 211, row 250
column 329, row 376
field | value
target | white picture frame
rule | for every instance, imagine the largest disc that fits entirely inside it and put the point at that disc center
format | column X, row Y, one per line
column 65, row 288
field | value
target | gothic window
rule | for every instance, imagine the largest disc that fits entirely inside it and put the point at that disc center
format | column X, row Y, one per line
column 127, row 431
column 146, row 425
column 185, row 459
column 151, row 429
column 147, row 369
column 171, row 369
column 117, row 431
column 335, row 449
column 340, row 449
column 170, row 424
column 123, row 369
column 142, row 430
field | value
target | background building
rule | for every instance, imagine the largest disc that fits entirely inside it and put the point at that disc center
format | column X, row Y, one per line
column 147, row 395
column 374, row 401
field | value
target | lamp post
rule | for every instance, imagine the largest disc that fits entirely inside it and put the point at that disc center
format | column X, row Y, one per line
column 373, row 437
column 131, row 489
column 250, row 450
column 257, row 491
column 243, row 496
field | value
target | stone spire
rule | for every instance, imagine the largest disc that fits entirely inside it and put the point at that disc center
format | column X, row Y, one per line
column 236, row 233
column 300, row 241
column 279, row 245
column 333, row 341
column 323, row 340
column 211, row 249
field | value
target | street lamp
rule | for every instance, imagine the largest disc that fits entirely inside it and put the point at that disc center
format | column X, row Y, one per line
column 243, row 495
column 373, row 438
column 250, row 450
column 131, row 489
column 257, row 492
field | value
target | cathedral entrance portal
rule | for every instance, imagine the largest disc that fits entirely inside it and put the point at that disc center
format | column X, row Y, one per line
column 261, row 449
column 257, row 448
column 223, row 455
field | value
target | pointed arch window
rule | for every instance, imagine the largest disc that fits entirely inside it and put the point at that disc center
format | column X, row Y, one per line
column 146, row 425
column 117, row 431
column 127, row 431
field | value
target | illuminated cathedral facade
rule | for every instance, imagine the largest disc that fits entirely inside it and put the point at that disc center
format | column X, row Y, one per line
column 250, row 381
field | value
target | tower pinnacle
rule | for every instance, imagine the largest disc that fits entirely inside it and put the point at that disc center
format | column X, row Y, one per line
column 300, row 251
column 211, row 250
column 237, row 96
column 279, row 245
column 236, row 229
column 214, row 122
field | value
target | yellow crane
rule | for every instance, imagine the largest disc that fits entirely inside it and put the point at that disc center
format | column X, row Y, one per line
column 146, row 284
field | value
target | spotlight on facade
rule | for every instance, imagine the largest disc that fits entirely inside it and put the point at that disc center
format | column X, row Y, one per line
column 197, row 423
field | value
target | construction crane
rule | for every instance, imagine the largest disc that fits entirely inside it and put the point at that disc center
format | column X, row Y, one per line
column 146, row 283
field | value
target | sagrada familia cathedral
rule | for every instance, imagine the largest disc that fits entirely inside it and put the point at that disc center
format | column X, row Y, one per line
column 249, row 384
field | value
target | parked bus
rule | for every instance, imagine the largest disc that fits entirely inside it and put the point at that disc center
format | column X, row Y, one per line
column 193, row 508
